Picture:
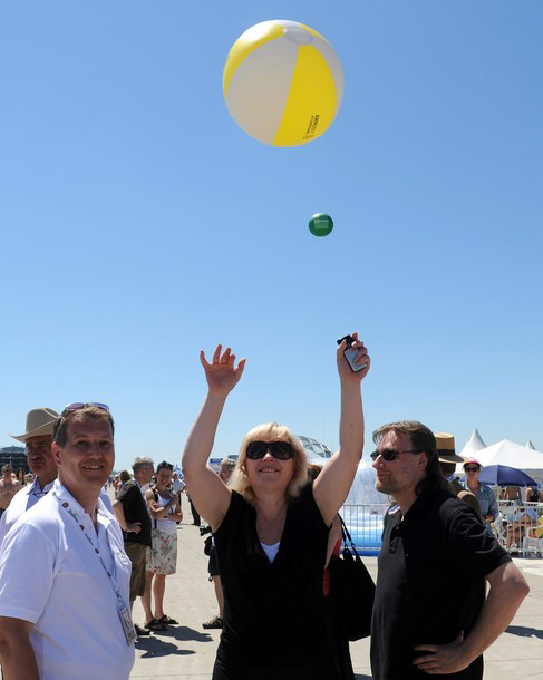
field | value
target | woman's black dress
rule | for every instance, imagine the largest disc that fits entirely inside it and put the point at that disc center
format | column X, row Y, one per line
column 275, row 623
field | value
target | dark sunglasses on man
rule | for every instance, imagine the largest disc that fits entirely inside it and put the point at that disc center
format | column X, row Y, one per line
column 390, row 454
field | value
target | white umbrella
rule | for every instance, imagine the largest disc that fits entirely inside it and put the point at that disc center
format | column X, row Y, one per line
column 514, row 455
column 529, row 444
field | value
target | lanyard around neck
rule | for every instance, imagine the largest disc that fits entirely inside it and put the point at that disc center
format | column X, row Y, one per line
column 73, row 514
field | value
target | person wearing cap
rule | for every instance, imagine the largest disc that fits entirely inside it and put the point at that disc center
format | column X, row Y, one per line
column 38, row 439
column 64, row 575
column 431, row 617
column 483, row 492
column 9, row 486
column 447, row 462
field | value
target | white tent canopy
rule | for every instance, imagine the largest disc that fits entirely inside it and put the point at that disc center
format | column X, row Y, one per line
column 507, row 452
column 474, row 443
column 529, row 444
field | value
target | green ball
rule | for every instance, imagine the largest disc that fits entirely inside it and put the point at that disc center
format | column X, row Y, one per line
column 320, row 224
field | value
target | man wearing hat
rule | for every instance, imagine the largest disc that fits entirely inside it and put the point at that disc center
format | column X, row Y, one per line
column 38, row 439
column 484, row 494
column 447, row 462
column 432, row 616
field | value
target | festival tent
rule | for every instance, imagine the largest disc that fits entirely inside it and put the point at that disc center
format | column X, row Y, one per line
column 474, row 443
column 514, row 455
column 529, row 444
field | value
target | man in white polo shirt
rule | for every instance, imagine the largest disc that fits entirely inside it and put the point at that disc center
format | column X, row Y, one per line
column 38, row 439
column 64, row 615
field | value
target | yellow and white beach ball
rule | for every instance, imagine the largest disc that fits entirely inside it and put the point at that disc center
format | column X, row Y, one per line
column 283, row 83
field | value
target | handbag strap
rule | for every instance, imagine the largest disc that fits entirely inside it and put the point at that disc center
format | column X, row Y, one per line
column 346, row 536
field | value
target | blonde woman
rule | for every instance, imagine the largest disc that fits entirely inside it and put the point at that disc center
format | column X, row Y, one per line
column 271, row 530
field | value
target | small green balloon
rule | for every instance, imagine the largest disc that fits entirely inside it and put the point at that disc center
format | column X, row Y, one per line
column 320, row 224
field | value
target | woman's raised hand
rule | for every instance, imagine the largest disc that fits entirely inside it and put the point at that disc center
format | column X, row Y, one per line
column 221, row 374
column 345, row 371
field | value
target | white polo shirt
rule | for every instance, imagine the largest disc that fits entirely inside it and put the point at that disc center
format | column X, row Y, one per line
column 51, row 575
column 23, row 500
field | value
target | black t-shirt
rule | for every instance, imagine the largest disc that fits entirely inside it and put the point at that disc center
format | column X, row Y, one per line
column 135, row 510
column 274, row 617
column 430, row 584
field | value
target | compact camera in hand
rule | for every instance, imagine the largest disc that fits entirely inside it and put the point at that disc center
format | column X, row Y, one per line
column 350, row 354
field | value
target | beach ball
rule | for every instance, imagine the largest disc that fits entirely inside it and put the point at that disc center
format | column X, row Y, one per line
column 282, row 83
column 321, row 224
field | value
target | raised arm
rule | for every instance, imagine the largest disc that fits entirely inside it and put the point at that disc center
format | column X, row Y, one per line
column 332, row 485
column 208, row 493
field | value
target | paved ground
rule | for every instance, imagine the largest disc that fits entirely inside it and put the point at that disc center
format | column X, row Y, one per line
column 187, row 651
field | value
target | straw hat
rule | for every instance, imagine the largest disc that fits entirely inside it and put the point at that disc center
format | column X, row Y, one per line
column 445, row 448
column 39, row 421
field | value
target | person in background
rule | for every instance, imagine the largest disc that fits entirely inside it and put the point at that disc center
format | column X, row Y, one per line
column 447, row 462
column 422, row 628
column 21, row 477
column 133, row 516
column 9, row 486
column 532, row 495
column 38, row 439
column 165, row 510
column 124, row 476
column 483, row 493
column 225, row 472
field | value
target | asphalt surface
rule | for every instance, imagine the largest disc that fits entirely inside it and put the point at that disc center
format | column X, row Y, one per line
column 187, row 651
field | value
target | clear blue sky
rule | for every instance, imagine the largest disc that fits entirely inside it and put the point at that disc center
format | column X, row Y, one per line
column 140, row 224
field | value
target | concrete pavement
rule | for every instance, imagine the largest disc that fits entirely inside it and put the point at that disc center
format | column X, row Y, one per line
column 187, row 652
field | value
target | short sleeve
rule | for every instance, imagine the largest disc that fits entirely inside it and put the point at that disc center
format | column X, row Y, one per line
column 27, row 566
column 473, row 551
column 126, row 494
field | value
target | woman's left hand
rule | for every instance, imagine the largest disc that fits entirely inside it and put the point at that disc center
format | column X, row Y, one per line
column 344, row 370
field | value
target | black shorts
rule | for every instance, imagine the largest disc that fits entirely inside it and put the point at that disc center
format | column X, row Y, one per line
column 213, row 564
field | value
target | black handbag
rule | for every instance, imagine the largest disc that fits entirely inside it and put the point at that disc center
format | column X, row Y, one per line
column 352, row 591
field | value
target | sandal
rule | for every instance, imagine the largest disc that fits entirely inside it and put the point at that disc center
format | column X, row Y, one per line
column 140, row 631
column 155, row 625
column 167, row 620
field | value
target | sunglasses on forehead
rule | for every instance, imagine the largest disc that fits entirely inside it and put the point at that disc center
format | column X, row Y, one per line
column 390, row 454
column 78, row 405
column 279, row 449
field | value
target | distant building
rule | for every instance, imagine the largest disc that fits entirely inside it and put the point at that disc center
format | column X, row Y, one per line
column 14, row 456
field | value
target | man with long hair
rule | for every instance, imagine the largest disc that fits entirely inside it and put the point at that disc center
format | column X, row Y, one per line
column 430, row 615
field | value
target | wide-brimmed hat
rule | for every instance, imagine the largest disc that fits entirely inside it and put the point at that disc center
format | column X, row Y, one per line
column 445, row 448
column 39, row 421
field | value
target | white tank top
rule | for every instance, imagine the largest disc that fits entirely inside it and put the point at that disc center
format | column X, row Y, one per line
column 163, row 524
column 271, row 550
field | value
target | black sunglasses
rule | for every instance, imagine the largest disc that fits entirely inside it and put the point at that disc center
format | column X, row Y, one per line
column 279, row 449
column 471, row 469
column 390, row 454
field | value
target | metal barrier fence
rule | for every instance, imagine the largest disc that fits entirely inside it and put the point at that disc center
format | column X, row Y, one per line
column 519, row 527
column 365, row 524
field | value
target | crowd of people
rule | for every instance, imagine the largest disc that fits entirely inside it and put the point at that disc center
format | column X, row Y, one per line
column 72, row 564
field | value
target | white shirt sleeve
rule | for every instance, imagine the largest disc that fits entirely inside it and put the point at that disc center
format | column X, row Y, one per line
column 27, row 566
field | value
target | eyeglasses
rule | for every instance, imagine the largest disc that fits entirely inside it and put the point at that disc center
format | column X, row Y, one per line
column 78, row 405
column 471, row 469
column 279, row 450
column 389, row 454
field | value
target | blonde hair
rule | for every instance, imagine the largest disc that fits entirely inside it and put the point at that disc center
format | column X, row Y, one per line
column 239, row 481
